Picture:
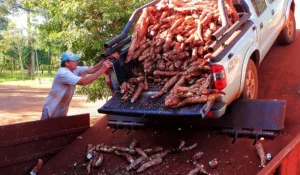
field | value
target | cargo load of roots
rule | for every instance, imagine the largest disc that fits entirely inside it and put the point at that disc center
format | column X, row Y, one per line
column 169, row 48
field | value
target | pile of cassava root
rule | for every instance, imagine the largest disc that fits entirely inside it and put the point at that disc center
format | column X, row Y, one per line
column 146, row 158
column 169, row 49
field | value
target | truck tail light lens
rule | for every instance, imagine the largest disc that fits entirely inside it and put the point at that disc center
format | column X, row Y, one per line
column 208, row 114
column 219, row 76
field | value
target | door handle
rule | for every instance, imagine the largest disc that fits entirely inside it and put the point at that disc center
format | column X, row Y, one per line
column 261, row 25
column 272, row 11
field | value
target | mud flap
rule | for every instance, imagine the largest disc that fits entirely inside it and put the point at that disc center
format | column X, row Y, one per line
column 254, row 119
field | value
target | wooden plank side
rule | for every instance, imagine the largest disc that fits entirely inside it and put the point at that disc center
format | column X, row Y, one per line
column 21, row 145
column 286, row 162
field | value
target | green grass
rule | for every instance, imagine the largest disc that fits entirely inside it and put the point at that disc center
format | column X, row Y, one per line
column 17, row 75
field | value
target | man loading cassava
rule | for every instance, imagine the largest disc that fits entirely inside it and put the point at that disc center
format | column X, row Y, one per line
column 67, row 77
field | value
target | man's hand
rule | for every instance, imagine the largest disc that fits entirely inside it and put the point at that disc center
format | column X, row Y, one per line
column 106, row 65
column 99, row 65
column 115, row 55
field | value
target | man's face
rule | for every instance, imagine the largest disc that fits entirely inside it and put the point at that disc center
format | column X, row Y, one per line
column 71, row 65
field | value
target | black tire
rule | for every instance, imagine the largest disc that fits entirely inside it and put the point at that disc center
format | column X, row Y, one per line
column 250, row 89
column 288, row 33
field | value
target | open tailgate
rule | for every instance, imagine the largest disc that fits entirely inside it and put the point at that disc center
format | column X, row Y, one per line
column 146, row 105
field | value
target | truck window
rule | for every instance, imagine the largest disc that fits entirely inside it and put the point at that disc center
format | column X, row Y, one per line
column 259, row 5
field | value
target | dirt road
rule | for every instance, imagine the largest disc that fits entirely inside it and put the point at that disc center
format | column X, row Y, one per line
column 23, row 101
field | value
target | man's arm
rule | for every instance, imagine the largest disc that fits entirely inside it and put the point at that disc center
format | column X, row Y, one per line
column 89, row 79
column 94, row 69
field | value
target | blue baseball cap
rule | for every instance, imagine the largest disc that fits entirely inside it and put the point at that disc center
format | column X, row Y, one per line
column 69, row 56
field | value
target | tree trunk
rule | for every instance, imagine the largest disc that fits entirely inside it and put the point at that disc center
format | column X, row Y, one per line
column 38, row 66
column 20, row 59
column 2, row 67
column 49, row 59
column 12, row 69
column 31, row 66
column 21, row 64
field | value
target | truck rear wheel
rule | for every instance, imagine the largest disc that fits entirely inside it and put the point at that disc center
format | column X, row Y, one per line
column 288, row 33
column 251, row 82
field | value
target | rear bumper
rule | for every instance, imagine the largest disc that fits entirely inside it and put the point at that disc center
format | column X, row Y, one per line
column 217, row 110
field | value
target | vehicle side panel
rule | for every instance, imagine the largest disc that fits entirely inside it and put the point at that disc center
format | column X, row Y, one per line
column 233, row 66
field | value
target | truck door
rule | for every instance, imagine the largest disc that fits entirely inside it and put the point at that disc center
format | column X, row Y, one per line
column 278, row 8
column 263, row 23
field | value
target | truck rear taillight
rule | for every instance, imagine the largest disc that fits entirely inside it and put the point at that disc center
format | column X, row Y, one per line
column 208, row 114
column 219, row 77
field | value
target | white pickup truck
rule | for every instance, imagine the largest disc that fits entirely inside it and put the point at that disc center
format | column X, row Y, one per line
column 237, row 52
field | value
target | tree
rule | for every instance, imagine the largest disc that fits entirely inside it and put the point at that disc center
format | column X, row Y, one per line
column 14, row 44
column 4, row 47
column 83, row 27
column 3, row 19
column 12, row 7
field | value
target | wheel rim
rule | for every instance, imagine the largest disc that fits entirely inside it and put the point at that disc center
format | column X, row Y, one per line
column 290, row 26
column 250, row 85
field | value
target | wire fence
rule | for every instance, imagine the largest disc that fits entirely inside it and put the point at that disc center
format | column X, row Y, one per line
column 16, row 75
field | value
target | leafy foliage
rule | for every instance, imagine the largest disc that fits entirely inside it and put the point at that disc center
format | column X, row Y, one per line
column 83, row 27
column 77, row 25
column 3, row 20
column 3, row 23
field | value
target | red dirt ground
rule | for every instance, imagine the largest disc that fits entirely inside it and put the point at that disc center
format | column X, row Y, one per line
column 23, row 101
